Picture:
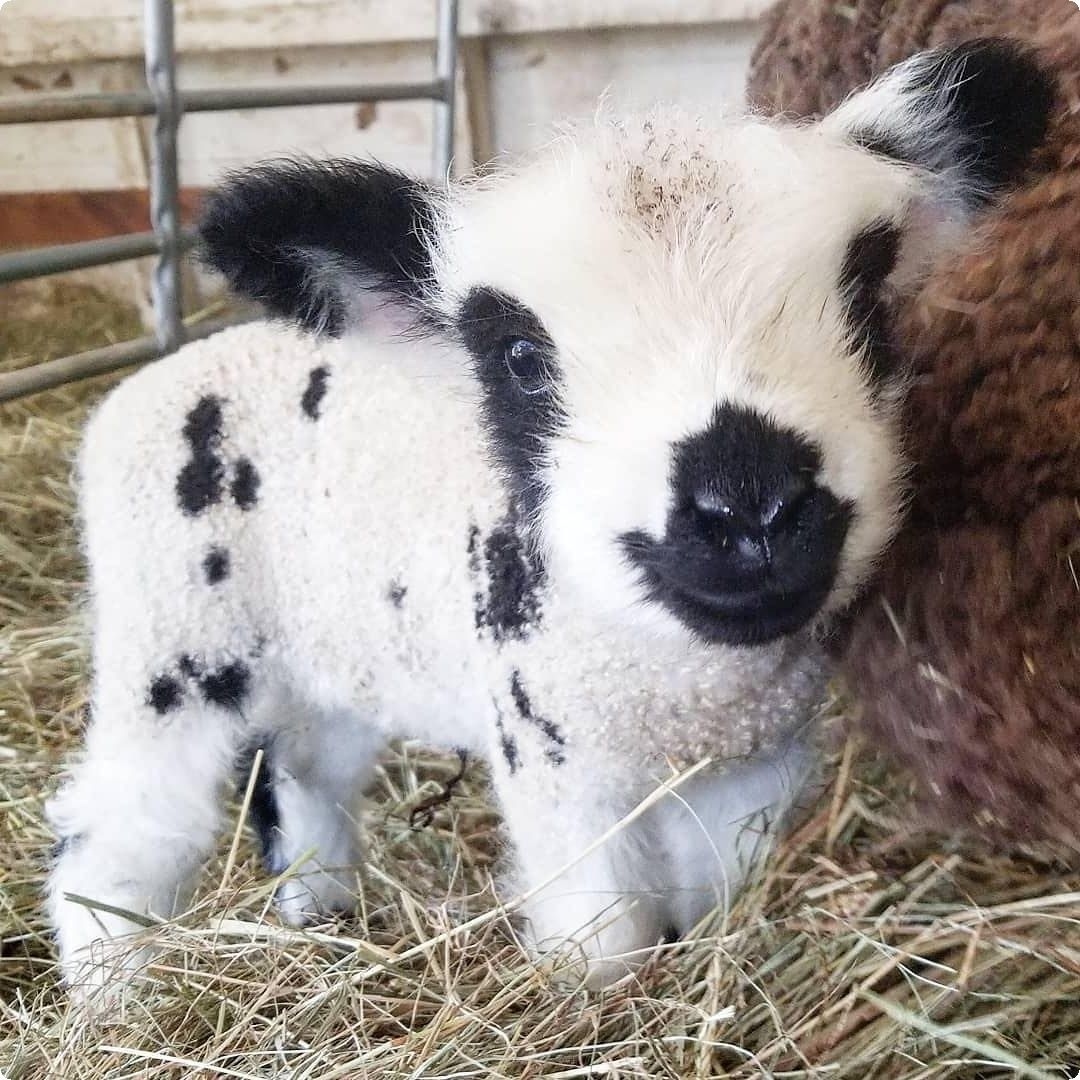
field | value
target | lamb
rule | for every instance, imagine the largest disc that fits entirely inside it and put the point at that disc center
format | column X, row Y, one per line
column 964, row 656
column 583, row 459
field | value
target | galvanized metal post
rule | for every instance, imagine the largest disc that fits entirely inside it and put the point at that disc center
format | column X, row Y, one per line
column 446, row 76
column 164, row 171
column 59, row 258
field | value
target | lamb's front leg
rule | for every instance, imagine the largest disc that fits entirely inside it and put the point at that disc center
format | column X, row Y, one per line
column 593, row 904
column 661, row 870
column 716, row 827
column 135, row 822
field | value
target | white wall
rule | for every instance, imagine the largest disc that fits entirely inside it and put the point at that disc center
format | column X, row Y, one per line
column 536, row 79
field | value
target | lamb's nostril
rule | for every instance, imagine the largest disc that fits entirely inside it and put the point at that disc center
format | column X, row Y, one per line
column 750, row 522
column 731, row 526
column 779, row 513
column 708, row 505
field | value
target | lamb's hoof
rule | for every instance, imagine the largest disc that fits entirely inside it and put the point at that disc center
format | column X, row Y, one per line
column 316, row 897
column 102, row 978
column 577, row 966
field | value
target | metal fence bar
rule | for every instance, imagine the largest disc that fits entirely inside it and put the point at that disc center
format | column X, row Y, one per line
column 53, row 373
column 168, row 240
column 164, row 171
column 59, row 258
column 49, row 107
column 446, row 75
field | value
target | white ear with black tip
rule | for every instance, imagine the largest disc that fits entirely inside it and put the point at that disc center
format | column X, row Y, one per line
column 972, row 115
column 966, row 121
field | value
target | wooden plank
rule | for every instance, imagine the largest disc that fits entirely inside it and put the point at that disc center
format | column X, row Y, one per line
column 111, row 154
column 475, row 65
column 58, row 31
column 398, row 132
column 94, row 154
column 30, row 219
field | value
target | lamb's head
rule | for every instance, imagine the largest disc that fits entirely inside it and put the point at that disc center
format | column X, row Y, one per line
column 679, row 332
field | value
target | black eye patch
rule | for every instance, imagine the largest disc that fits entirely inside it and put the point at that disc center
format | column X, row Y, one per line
column 515, row 363
column 870, row 258
column 489, row 320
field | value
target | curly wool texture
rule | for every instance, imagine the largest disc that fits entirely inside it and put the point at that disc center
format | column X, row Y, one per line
column 966, row 658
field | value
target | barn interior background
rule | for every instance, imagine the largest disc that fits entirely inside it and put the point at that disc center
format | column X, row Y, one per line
column 510, row 71
column 862, row 951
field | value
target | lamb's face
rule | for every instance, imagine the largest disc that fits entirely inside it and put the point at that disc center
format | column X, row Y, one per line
column 673, row 373
column 679, row 331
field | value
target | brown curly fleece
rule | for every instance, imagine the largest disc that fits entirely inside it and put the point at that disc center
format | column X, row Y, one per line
column 966, row 659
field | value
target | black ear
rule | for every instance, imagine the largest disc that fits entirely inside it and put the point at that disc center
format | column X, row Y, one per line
column 308, row 239
column 974, row 113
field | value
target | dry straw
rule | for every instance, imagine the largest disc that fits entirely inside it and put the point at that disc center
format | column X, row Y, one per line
column 861, row 951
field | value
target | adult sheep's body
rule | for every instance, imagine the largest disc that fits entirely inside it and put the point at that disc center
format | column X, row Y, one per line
column 589, row 522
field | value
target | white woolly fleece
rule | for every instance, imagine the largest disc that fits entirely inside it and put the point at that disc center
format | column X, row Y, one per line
column 353, row 590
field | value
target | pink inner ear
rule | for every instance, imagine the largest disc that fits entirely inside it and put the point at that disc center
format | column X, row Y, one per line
column 374, row 312
column 932, row 227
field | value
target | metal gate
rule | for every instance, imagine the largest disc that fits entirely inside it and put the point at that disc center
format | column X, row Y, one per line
column 162, row 100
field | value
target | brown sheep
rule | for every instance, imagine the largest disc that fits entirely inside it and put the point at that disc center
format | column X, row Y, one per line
column 966, row 658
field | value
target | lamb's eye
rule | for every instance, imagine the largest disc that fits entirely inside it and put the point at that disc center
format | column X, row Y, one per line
column 525, row 361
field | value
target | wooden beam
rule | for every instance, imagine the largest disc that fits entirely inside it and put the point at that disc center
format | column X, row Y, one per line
column 63, row 31
column 40, row 218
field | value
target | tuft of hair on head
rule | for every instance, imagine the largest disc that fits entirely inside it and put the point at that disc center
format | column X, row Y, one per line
column 972, row 113
column 317, row 242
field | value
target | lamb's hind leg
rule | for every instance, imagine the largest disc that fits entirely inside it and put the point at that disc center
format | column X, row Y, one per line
column 135, row 821
column 306, row 808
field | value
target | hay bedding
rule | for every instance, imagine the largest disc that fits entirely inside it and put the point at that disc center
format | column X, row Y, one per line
column 861, row 951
